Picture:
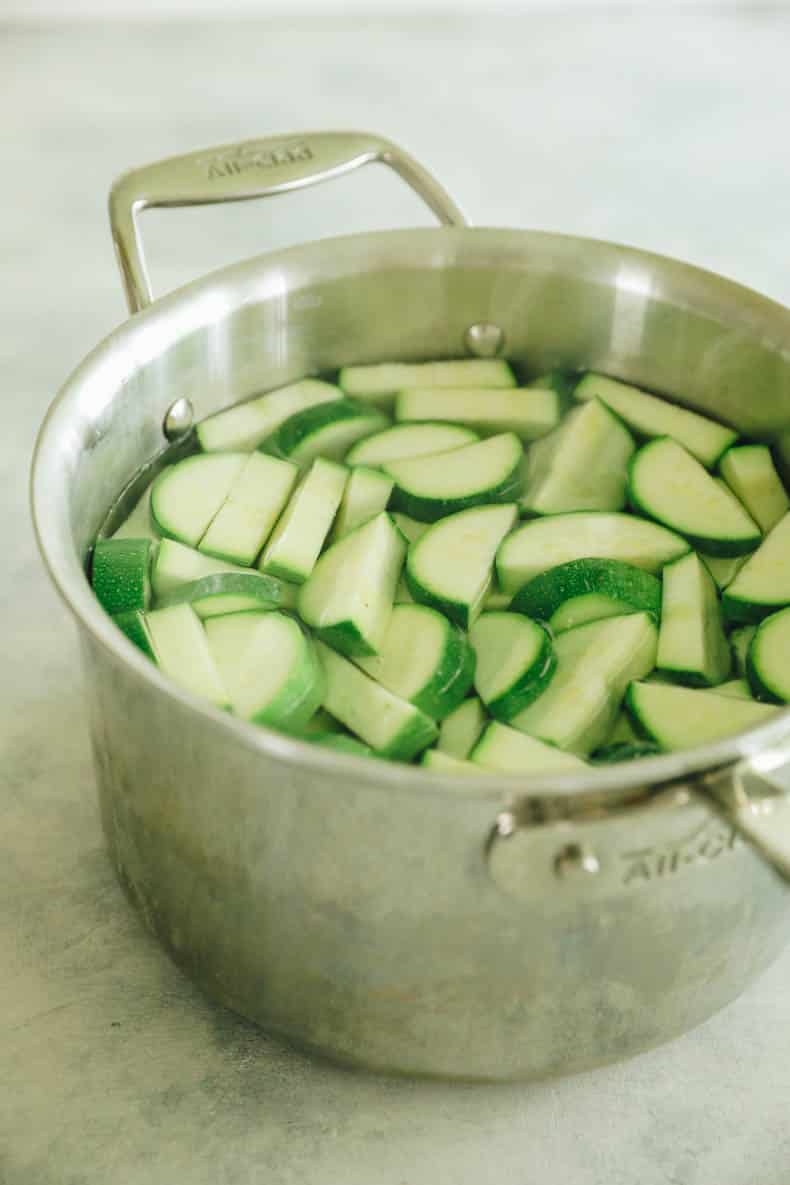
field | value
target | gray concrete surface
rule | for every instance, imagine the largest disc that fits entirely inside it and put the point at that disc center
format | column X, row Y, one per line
column 669, row 132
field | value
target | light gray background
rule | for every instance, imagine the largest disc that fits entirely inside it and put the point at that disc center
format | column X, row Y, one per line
column 665, row 130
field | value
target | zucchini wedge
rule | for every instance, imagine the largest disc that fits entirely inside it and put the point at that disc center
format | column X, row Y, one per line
column 450, row 566
column 543, row 543
column 668, row 484
column 431, row 487
column 649, row 415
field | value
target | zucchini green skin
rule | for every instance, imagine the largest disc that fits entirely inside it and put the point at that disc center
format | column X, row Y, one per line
column 451, row 680
column 533, row 679
column 286, row 439
column 634, row 588
column 345, row 638
column 299, row 700
column 714, row 546
column 430, row 510
column 526, row 689
column 745, row 713
column 624, row 751
column 120, row 574
column 513, row 571
column 773, row 633
column 249, row 590
column 298, row 697
column 132, row 623
column 341, row 743
column 456, row 611
column 740, row 613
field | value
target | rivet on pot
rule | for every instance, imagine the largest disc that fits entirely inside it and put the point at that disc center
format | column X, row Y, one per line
column 178, row 419
column 484, row 339
column 575, row 858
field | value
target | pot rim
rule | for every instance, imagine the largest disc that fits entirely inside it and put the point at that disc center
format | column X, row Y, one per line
column 256, row 276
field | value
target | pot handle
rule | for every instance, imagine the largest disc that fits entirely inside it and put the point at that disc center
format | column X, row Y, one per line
column 252, row 169
column 754, row 795
column 538, row 837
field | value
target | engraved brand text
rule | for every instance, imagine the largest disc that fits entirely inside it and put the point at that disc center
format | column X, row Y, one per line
column 243, row 157
column 707, row 842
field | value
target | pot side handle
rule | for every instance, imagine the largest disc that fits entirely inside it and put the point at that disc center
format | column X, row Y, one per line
column 252, row 169
column 754, row 795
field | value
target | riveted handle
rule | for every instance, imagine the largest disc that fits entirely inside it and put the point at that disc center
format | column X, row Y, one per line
column 252, row 169
column 754, row 795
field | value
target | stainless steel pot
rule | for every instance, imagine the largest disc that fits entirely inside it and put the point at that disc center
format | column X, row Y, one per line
column 383, row 915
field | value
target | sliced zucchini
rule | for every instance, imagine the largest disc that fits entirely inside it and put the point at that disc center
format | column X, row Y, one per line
column 120, row 573
column 245, row 519
column 544, row 543
column 649, row 416
column 348, row 597
column 595, row 664
column 768, row 660
column 139, row 524
column 430, row 487
column 450, row 567
column 366, row 494
column 409, row 440
column 680, row 718
column 391, row 726
column 692, row 648
column 132, row 623
column 763, row 584
column 228, row 592
column 381, row 381
column 296, row 542
column 186, row 496
column 581, row 465
column 528, row 412
column 724, row 568
column 424, row 659
column 667, row 484
column 750, row 473
column 443, row 763
column 341, row 743
column 175, row 564
column 409, row 527
column 506, row 750
column 460, row 731
column 740, row 641
column 737, row 688
column 587, row 590
column 325, row 430
column 269, row 666
column 242, row 428
column 183, row 654
column 515, row 662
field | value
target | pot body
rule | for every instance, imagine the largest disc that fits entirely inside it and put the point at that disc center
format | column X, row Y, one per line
column 367, row 910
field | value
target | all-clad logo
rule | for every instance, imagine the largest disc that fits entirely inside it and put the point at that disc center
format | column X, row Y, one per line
column 707, row 842
column 240, row 158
